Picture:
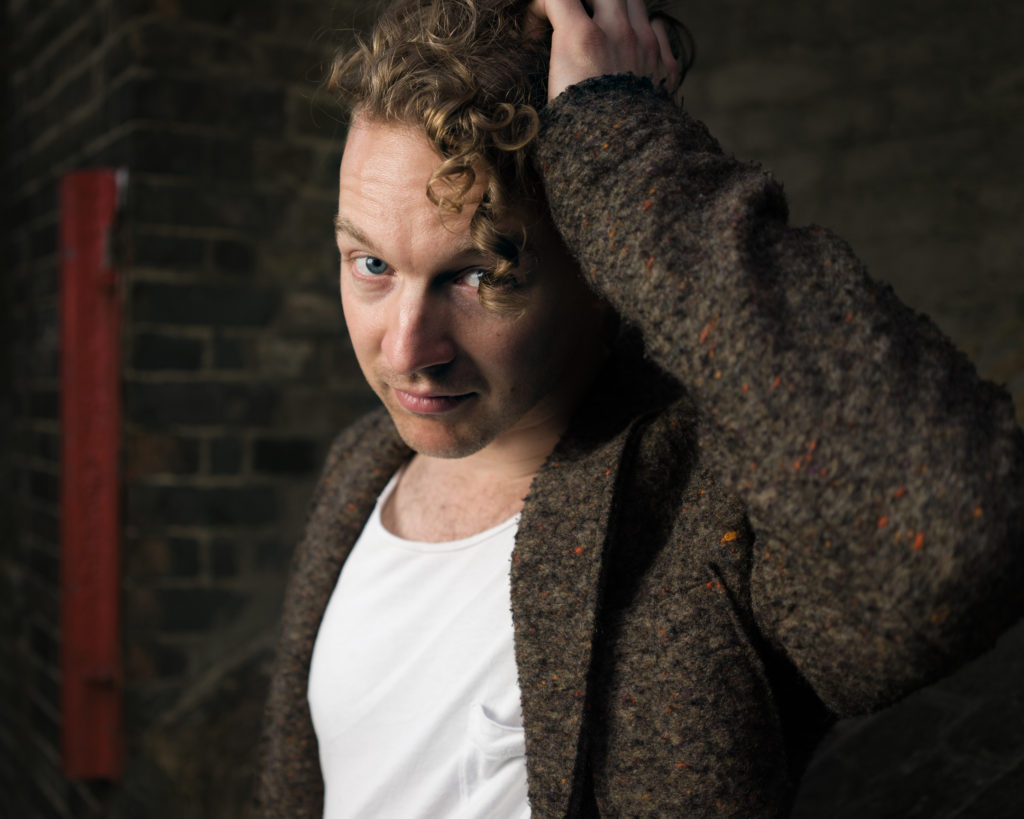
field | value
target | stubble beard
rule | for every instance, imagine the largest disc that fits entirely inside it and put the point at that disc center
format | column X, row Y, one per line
column 440, row 437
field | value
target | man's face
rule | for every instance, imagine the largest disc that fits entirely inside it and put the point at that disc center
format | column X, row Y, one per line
column 456, row 376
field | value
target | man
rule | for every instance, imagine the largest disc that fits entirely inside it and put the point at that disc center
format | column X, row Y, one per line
column 731, row 489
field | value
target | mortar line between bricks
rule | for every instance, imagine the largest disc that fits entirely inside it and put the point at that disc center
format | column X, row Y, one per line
column 81, row 112
column 47, row 217
column 57, row 169
column 57, row 803
column 53, row 89
column 87, row 796
column 42, row 702
column 43, row 593
column 171, row 180
column 186, row 232
column 203, row 583
column 217, row 30
column 38, row 620
column 33, row 505
column 57, row 43
column 51, row 426
column 251, row 82
column 199, row 481
column 39, row 592
column 189, row 377
column 203, row 430
column 45, row 384
column 43, row 466
column 51, row 671
column 179, row 276
column 202, row 130
column 192, row 332
column 25, row 462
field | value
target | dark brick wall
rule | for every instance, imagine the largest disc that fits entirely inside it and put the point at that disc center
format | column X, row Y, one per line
column 895, row 124
column 60, row 64
column 236, row 370
column 9, row 632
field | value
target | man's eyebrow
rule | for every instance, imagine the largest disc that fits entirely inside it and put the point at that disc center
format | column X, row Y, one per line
column 343, row 225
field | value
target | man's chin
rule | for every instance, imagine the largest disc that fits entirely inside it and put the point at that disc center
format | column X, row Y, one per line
column 437, row 439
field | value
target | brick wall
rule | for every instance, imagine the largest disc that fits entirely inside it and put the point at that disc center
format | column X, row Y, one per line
column 893, row 123
column 59, row 67
column 236, row 372
column 9, row 687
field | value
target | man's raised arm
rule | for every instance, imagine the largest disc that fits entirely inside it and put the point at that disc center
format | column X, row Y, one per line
column 884, row 480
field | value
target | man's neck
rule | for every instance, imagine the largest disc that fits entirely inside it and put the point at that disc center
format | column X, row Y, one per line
column 440, row 500
column 445, row 499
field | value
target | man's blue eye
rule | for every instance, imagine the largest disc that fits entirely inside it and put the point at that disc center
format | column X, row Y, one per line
column 371, row 266
column 474, row 278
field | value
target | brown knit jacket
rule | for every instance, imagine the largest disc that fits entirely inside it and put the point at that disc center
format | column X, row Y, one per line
column 795, row 501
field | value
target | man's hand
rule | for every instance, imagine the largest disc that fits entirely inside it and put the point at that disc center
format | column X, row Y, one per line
column 618, row 39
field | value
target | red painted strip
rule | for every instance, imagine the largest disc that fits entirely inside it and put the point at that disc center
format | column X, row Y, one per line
column 91, row 674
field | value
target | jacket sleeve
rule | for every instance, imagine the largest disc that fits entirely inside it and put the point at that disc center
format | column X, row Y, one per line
column 883, row 479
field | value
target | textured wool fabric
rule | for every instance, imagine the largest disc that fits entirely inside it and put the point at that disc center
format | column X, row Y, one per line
column 794, row 501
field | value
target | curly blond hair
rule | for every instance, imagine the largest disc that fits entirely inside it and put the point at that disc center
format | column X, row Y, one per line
column 468, row 73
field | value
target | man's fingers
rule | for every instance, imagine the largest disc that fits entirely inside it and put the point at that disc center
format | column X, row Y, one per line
column 619, row 39
column 669, row 63
column 637, row 12
column 611, row 15
column 557, row 13
column 648, row 48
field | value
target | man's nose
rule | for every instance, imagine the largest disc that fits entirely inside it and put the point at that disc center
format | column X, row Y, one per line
column 418, row 334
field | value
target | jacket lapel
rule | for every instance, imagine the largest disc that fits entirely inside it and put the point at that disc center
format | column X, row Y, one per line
column 556, row 569
column 556, row 579
column 358, row 468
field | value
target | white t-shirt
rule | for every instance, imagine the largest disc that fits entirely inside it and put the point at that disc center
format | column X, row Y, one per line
column 413, row 688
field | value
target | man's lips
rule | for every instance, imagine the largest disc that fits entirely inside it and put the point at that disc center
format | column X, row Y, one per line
column 430, row 403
